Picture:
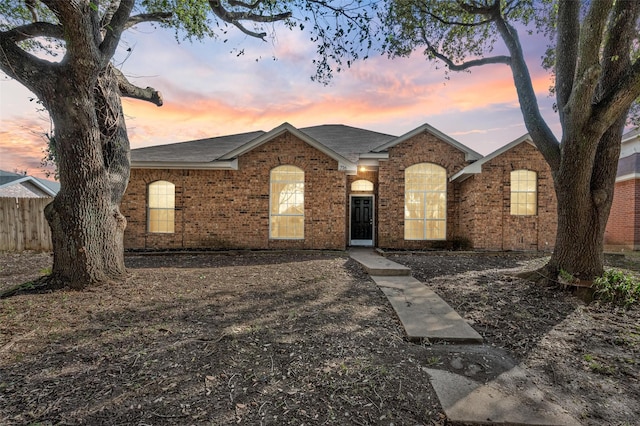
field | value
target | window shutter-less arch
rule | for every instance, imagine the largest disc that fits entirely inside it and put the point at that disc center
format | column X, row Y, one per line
column 425, row 202
column 286, row 210
column 362, row 185
column 161, row 204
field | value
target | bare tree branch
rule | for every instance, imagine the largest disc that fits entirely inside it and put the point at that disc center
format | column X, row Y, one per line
column 588, row 68
column 566, row 52
column 114, row 30
column 501, row 59
column 31, row 5
column 234, row 18
column 129, row 90
column 35, row 29
column 147, row 17
column 249, row 6
column 539, row 130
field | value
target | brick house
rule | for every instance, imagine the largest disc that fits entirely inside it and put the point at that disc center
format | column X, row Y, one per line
column 623, row 227
column 334, row 186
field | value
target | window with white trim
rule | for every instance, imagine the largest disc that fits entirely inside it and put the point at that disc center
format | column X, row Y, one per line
column 425, row 202
column 286, row 211
column 161, row 202
column 524, row 193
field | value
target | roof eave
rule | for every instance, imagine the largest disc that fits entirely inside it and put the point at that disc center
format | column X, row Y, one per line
column 188, row 165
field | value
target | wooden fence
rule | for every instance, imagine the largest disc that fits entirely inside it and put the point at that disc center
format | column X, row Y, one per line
column 23, row 225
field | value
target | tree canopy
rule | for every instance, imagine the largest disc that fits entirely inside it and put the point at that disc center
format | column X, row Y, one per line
column 593, row 56
column 62, row 51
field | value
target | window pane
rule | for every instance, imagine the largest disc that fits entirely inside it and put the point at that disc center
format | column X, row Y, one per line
column 425, row 200
column 161, row 220
column 287, row 227
column 413, row 230
column 362, row 185
column 414, row 205
column 436, row 230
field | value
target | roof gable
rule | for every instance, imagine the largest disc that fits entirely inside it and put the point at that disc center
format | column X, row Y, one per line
column 470, row 154
column 343, row 163
column 39, row 187
column 476, row 167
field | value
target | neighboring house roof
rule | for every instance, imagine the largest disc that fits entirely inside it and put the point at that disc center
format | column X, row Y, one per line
column 470, row 155
column 629, row 166
column 475, row 168
column 347, row 145
column 21, row 186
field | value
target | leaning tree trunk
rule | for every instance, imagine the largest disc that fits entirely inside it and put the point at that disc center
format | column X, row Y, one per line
column 92, row 150
column 584, row 197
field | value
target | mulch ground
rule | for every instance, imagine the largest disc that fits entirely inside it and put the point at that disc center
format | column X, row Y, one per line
column 291, row 338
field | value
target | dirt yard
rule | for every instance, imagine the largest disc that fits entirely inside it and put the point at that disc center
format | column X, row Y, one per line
column 292, row 338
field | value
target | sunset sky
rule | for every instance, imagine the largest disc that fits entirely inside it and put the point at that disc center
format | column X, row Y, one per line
column 209, row 91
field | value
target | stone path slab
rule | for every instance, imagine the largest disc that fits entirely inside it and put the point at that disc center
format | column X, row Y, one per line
column 509, row 399
column 423, row 313
column 503, row 395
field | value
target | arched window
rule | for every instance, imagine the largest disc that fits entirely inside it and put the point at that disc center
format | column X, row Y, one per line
column 425, row 202
column 161, row 207
column 524, row 193
column 362, row 185
column 286, row 212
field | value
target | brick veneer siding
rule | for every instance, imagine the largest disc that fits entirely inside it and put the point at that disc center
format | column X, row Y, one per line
column 223, row 209
column 485, row 204
column 423, row 148
column 623, row 227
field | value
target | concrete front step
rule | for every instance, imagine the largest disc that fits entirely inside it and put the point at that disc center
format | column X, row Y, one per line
column 375, row 264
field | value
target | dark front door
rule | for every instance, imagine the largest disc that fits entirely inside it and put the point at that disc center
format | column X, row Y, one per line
column 361, row 220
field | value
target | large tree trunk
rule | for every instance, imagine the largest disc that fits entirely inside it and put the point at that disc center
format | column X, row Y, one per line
column 93, row 163
column 584, row 198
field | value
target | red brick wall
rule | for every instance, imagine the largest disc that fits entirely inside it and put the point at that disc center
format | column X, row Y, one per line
column 230, row 208
column 423, row 148
column 485, row 205
column 623, row 227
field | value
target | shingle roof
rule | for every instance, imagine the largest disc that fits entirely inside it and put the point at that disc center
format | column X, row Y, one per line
column 347, row 141
column 199, row 151
column 37, row 186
